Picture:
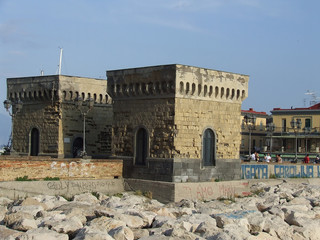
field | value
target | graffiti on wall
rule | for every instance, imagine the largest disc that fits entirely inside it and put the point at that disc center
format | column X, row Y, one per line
column 296, row 171
column 81, row 186
column 264, row 171
column 207, row 191
column 73, row 168
column 254, row 171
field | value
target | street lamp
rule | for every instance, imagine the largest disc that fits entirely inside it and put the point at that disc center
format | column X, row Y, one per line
column 79, row 102
column 296, row 126
column 270, row 128
column 250, row 121
column 307, row 131
column 16, row 108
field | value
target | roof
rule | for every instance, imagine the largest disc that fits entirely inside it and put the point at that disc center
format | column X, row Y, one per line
column 313, row 107
column 254, row 112
column 172, row 65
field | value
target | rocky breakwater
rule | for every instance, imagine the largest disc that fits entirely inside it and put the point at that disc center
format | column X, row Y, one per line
column 283, row 211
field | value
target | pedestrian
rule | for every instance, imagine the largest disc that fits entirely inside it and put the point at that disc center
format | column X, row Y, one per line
column 256, row 156
column 306, row 159
column 253, row 156
column 278, row 158
column 317, row 160
column 267, row 158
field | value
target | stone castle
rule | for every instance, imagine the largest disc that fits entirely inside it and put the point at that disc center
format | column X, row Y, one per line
column 173, row 123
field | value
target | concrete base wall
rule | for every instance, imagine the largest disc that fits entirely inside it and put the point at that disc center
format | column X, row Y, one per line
column 211, row 190
column 162, row 191
column 182, row 170
column 18, row 190
column 174, row 192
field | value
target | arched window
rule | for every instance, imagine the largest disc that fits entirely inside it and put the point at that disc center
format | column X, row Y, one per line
column 208, row 148
column 77, row 147
column 34, row 146
column 141, row 146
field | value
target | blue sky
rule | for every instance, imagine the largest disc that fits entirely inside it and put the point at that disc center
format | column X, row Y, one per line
column 276, row 42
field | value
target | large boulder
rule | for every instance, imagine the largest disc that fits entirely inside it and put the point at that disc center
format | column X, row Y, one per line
column 147, row 216
column 121, row 233
column 41, row 234
column 130, row 220
column 86, row 198
column 106, row 224
column 5, row 201
column 21, row 221
column 68, row 225
column 8, row 234
column 88, row 233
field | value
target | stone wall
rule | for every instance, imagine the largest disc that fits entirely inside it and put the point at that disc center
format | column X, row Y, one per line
column 98, row 129
column 192, row 117
column 155, row 115
column 175, row 104
column 43, row 116
column 49, row 106
column 41, row 167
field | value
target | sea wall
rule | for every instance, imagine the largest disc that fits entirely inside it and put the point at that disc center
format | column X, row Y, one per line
column 285, row 170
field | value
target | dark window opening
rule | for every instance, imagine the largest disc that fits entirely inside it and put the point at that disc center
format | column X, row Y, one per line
column 141, row 147
column 209, row 148
column 34, row 148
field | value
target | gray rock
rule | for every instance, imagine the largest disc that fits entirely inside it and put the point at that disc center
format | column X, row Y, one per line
column 130, row 220
column 29, row 209
column 41, row 234
column 8, row 234
column 86, row 198
column 310, row 230
column 106, row 224
column 283, row 211
column 140, row 233
column 5, row 201
column 3, row 211
column 121, row 233
column 147, row 216
column 68, row 225
column 160, row 221
column 181, row 233
column 14, row 218
column 51, row 201
column 88, row 233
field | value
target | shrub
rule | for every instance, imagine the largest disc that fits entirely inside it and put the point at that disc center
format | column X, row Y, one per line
column 119, row 195
column 148, row 194
column 51, row 179
column 24, row 178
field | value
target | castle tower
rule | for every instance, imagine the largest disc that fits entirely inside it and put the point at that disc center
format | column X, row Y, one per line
column 49, row 122
column 177, row 123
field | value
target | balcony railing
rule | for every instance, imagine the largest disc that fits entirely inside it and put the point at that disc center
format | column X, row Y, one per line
column 280, row 131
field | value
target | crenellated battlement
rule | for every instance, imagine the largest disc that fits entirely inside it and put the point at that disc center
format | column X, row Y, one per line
column 177, row 81
column 56, row 88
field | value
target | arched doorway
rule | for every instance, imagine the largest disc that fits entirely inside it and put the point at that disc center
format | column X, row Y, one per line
column 208, row 148
column 77, row 147
column 34, row 148
column 141, row 146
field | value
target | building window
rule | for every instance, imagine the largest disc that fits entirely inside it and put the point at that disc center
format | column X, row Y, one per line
column 208, row 148
column 141, row 146
column 284, row 125
column 308, row 123
column 261, row 126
